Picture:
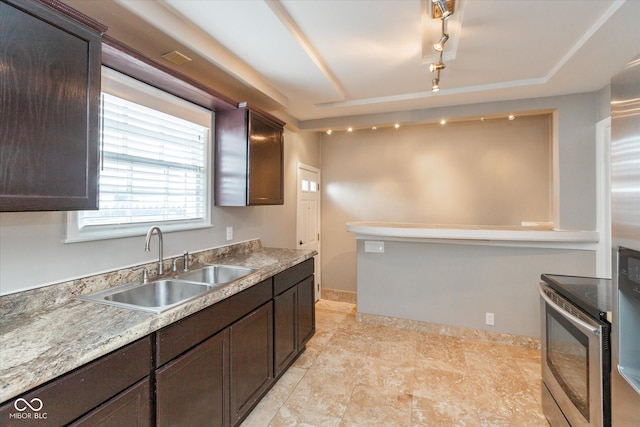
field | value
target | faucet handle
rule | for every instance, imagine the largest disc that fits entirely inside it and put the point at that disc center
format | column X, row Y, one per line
column 185, row 263
column 145, row 274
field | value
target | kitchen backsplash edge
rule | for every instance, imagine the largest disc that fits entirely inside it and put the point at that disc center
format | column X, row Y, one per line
column 56, row 294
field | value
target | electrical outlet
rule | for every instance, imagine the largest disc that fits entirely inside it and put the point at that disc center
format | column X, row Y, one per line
column 229, row 233
column 489, row 319
column 375, row 247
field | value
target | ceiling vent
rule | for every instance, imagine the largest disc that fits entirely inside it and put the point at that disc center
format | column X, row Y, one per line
column 176, row 57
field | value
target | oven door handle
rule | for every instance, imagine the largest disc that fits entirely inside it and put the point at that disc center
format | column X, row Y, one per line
column 570, row 317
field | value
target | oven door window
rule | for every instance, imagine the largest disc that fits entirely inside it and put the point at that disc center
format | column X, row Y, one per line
column 568, row 359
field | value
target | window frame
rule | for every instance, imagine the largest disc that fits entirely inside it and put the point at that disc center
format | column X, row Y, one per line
column 131, row 89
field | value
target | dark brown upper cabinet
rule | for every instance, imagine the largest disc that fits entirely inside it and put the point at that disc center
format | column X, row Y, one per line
column 50, row 57
column 249, row 159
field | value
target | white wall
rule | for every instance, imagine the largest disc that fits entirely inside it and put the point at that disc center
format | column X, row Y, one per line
column 32, row 253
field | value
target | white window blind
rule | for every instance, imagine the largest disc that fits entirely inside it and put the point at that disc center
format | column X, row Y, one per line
column 154, row 168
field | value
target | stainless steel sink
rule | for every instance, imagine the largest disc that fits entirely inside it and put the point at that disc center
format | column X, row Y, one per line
column 163, row 294
column 216, row 275
column 155, row 297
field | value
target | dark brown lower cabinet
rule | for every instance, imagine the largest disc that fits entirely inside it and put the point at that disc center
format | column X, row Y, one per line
column 191, row 390
column 294, row 322
column 251, row 360
column 132, row 408
column 211, row 368
column 285, row 336
column 306, row 311
column 217, row 382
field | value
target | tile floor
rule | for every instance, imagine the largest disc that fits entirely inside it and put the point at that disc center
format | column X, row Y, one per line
column 358, row 374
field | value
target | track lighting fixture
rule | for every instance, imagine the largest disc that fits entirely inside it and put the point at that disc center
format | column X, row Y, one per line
column 445, row 13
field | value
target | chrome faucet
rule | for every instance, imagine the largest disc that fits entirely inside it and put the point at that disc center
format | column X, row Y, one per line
column 160, row 244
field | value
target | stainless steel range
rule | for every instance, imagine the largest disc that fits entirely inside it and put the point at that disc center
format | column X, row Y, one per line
column 576, row 355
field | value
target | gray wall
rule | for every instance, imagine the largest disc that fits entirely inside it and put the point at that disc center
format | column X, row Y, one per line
column 456, row 285
column 573, row 198
column 32, row 253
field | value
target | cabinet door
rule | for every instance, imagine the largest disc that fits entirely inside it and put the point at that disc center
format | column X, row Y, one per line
column 251, row 360
column 306, row 311
column 132, row 408
column 266, row 171
column 191, row 390
column 49, row 109
column 285, row 337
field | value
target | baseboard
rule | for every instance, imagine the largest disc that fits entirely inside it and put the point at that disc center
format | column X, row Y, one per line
column 454, row 331
column 339, row 295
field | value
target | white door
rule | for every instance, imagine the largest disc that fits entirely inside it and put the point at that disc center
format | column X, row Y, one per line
column 308, row 228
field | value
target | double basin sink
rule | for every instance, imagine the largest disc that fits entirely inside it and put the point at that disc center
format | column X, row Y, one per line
column 163, row 294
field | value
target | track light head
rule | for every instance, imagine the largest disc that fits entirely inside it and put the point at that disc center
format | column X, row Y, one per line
column 436, row 66
column 444, row 9
column 439, row 46
column 435, row 85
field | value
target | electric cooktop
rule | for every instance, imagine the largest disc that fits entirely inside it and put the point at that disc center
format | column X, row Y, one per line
column 591, row 294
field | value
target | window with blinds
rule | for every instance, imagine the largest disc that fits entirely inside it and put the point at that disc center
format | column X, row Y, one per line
column 154, row 164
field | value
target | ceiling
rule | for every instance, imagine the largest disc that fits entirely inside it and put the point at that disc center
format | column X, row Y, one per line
column 310, row 62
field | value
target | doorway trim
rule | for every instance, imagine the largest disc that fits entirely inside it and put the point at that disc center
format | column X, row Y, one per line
column 300, row 167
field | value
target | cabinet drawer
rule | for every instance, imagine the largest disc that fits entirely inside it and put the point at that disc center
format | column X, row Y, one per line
column 286, row 279
column 186, row 333
column 74, row 394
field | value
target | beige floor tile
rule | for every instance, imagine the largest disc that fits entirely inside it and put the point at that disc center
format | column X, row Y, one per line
column 375, row 407
column 290, row 415
column 443, row 413
column 434, row 384
column 358, row 374
column 387, row 376
column 356, row 342
column 330, row 320
column 327, row 386
column 273, row 401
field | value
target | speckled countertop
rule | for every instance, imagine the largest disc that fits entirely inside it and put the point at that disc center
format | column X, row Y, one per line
column 45, row 333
